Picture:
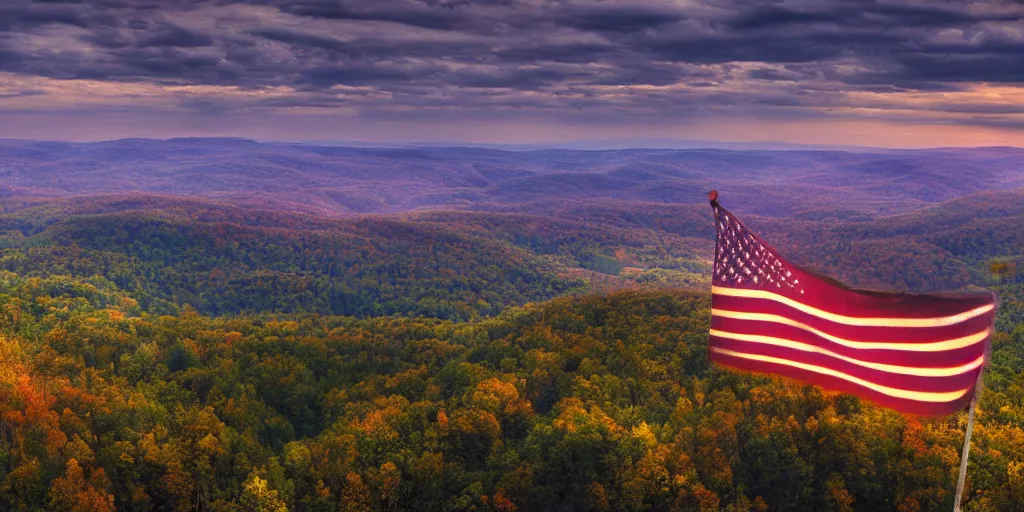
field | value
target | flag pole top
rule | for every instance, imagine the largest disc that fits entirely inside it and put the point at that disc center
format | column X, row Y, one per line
column 713, row 196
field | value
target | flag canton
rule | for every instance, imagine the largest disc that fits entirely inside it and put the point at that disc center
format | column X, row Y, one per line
column 742, row 261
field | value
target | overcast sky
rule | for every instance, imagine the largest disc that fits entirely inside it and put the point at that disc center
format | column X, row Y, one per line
column 887, row 73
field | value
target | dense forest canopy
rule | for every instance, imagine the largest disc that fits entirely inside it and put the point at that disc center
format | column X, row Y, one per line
column 590, row 403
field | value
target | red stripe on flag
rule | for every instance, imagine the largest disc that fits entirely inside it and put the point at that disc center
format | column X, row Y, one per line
column 837, row 384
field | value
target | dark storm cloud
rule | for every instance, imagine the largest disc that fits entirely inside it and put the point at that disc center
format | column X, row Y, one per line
column 364, row 74
column 527, row 79
column 28, row 16
column 940, row 68
column 616, row 18
column 174, row 36
column 784, row 55
column 300, row 39
column 413, row 13
column 371, row 48
column 576, row 52
column 775, row 75
column 716, row 49
column 771, row 17
column 867, row 14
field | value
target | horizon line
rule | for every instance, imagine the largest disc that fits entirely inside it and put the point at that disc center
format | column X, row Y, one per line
column 577, row 145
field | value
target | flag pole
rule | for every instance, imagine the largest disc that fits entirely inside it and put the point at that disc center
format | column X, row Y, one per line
column 967, row 447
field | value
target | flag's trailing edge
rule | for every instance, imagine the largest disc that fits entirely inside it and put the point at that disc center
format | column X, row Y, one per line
column 914, row 353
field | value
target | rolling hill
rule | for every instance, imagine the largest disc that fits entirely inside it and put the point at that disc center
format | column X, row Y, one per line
column 225, row 259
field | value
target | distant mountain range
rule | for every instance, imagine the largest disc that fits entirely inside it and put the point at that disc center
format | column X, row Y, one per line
column 347, row 180
column 606, row 144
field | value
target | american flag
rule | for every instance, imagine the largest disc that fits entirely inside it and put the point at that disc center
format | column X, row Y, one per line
column 914, row 353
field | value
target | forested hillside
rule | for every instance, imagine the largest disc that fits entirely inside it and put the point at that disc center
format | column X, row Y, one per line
column 222, row 259
column 599, row 403
column 509, row 331
column 169, row 354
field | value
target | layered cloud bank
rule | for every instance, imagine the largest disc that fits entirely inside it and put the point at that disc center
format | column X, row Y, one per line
column 877, row 73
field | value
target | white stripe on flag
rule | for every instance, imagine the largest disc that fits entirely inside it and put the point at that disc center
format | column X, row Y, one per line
column 889, row 368
column 936, row 346
column 940, row 321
